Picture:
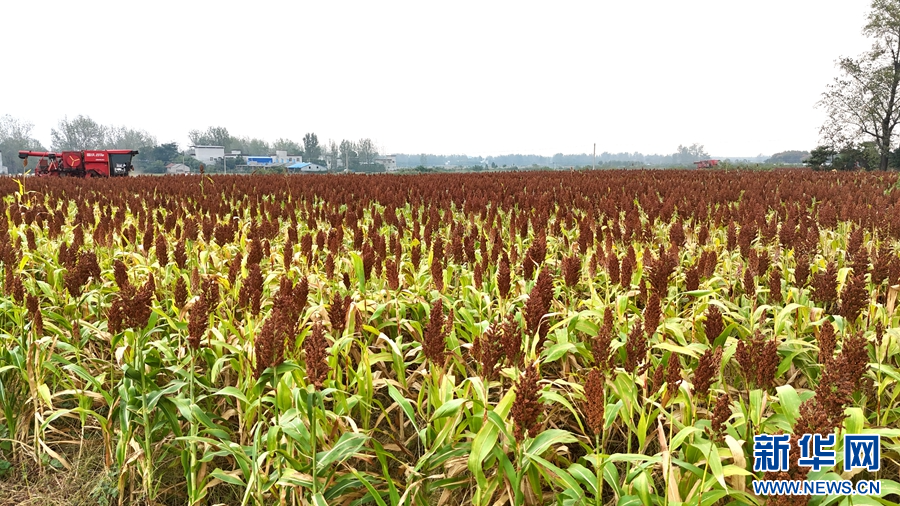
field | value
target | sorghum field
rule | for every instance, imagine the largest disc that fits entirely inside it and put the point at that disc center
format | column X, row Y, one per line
column 608, row 337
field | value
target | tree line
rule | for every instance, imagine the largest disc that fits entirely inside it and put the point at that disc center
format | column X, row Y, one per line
column 82, row 132
column 683, row 156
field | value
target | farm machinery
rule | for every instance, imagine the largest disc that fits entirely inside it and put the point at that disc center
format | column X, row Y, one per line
column 87, row 163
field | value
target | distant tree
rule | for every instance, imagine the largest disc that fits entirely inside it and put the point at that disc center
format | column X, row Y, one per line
column 852, row 156
column 15, row 136
column 164, row 152
column 863, row 102
column 820, row 156
column 864, row 156
column 287, row 145
column 77, row 134
column 128, row 138
column 312, row 152
column 690, row 154
column 333, row 155
column 212, row 136
column 366, row 150
column 788, row 157
column 348, row 154
column 154, row 167
column 894, row 160
column 249, row 146
column 423, row 160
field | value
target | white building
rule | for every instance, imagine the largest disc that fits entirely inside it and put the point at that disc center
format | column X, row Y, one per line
column 3, row 170
column 177, row 168
column 279, row 158
column 208, row 154
column 306, row 167
column 389, row 162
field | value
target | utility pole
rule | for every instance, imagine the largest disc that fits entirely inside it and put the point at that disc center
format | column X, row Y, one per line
column 594, row 158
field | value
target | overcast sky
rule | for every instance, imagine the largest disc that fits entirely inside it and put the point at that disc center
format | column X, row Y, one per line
column 480, row 78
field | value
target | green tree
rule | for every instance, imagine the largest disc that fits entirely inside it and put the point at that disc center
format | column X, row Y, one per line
column 863, row 102
column 894, row 160
column 212, row 136
column 788, row 157
column 77, row 134
column 287, row 145
column 312, row 152
column 128, row 138
column 165, row 152
column 820, row 156
column 690, row 154
column 249, row 146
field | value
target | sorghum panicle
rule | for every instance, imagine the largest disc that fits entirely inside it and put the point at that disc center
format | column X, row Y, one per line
column 180, row 292
column 707, row 369
column 635, row 348
column 775, row 285
column 538, row 306
column 526, row 407
column 392, row 274
column 179, row 255
column 595, row 400
column 571, row 266
column 652, row 313
column 433, row 345
column 827, row 343
column 511, row 339
column 337, row 313
column 315, row 345
column 487, row 351
column 503, row 276
column 854, row 298
column 721, row 414
column 714, row 325
column 600, row 345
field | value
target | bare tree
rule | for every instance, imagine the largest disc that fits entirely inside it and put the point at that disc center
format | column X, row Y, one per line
column 348, row 153
column 333, row 155
column 15, row 136
column 366, row 150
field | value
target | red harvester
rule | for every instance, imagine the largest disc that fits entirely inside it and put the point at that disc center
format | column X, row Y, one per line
column 92, row 163
column 706, row 164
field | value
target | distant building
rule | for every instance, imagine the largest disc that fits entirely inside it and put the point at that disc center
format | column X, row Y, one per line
column 306, row 167
column 3, row 170
column 279, row 158
column 177, row 168
column 208, row 154
column 389, row 162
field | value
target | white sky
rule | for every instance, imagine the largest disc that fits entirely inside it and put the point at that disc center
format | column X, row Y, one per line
column 480, row 78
